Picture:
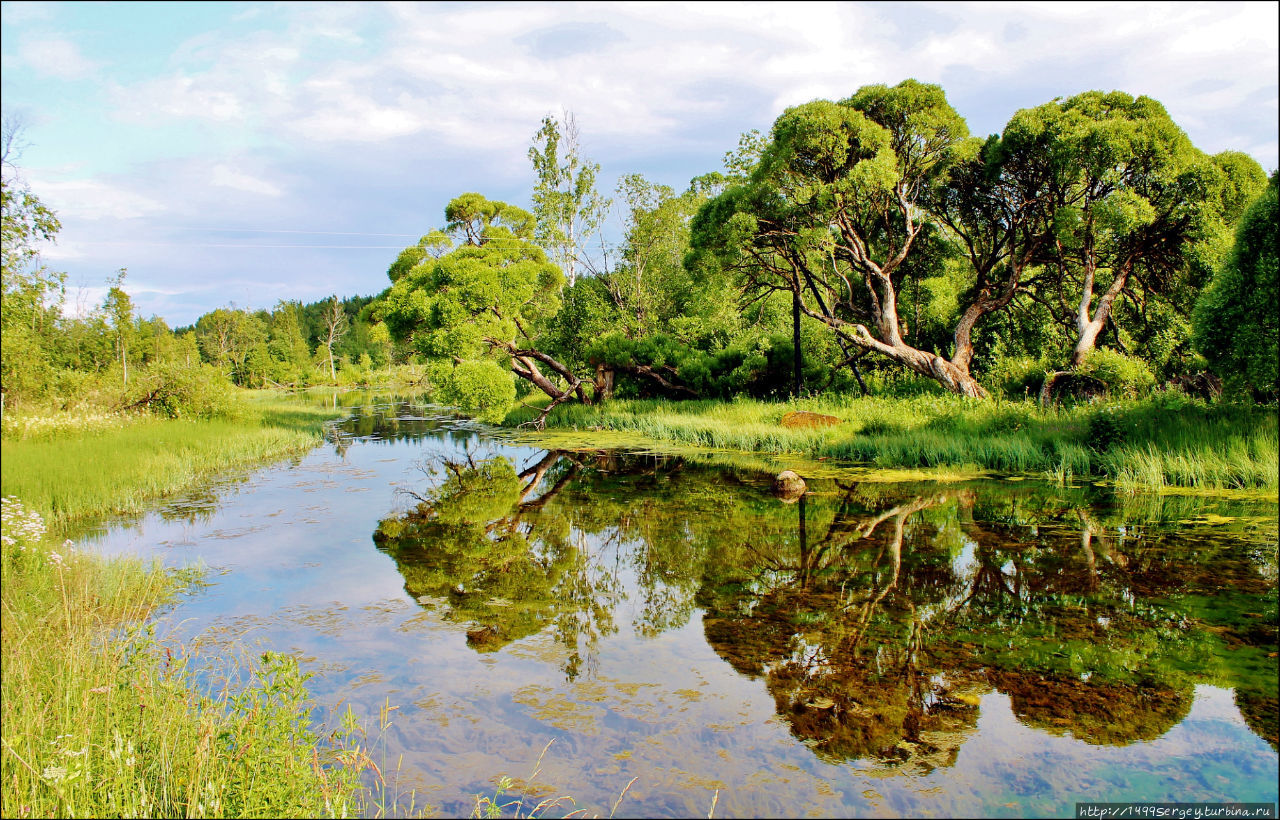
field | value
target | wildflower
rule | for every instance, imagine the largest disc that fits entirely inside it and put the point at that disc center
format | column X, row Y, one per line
column 54, row 774
column 55, row 560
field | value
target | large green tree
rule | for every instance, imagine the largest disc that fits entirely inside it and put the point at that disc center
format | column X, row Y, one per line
column 477, row 311
column 1237, row 319
column 834, row 214
column 1134, row 204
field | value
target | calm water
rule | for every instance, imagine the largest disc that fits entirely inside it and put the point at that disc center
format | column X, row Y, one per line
column 991, row 647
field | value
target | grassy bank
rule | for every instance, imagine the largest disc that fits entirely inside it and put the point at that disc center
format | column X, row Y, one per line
column 1162, row 442
column 100, row 719
column 81, row 466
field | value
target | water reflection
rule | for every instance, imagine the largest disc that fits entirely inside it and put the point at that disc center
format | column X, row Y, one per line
column 876, row 616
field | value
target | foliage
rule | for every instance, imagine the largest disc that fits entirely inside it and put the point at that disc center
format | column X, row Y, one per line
column 480, row 386
column 178, row 390
column 1236, row 324
column 568, row 208
column 1123, row 375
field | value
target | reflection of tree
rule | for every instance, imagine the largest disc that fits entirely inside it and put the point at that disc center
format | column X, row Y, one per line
column 467, row 541
column 875, row 617
column 878, row 632
column 1101, row 712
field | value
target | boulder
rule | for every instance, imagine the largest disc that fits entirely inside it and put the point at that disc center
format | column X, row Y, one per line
column 788, row 486
column 804, row 420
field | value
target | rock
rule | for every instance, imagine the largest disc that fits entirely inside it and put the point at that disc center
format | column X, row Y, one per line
column 804, row 420
column 485, row 639
column 788, row 486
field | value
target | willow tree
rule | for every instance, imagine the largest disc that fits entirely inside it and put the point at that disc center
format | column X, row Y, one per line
column 1134, row 202
column 834, row 212
column 477, row 310
column 1236, row 325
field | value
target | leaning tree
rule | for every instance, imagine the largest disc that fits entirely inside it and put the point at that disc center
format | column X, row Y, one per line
column 835, row 210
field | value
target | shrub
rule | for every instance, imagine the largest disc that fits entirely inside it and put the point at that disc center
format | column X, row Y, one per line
column 1017, row 377
column 179, row 390
column 1107, row 428
column 481, row 388
column 1123, row 375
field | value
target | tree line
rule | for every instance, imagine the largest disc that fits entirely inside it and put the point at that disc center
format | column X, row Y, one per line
column 868, row 235
column 1088, row 247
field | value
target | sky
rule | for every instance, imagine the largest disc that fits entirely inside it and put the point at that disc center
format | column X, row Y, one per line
column 244, row 153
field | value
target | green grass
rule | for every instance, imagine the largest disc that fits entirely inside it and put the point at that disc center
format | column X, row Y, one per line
column 68, row 472
column 101, row 719
column 1165, row 441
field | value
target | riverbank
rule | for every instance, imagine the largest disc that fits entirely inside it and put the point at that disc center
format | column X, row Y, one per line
column 72, row 468
column 100, row 716
column 1163, row 443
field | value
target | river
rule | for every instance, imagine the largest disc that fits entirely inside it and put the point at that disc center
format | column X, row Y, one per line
column 987, row 647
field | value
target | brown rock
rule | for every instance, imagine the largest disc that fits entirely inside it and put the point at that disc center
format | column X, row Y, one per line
column 788, row 486
column 804, row 420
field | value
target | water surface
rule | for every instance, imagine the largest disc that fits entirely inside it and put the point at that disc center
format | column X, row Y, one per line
column 986, row 647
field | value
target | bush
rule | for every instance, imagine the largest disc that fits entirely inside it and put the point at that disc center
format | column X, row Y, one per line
column 178, row 390
column 1123, row 375
column 481, row 388
column 1017, row 377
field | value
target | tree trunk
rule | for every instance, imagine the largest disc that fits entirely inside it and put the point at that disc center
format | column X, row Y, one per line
column 1090, row 326
column 797, row 381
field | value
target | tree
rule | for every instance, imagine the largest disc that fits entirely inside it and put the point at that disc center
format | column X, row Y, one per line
column 1236, row 324
column 1132, row 199
column 119, row 309
column 568, row 208
column 31, row 293
column 834, row 209
column 285, row 341
column 226, row 337
column 335, row 327
column 484, row 301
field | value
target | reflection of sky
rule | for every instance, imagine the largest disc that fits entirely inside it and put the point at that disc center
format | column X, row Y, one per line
column 294, row 568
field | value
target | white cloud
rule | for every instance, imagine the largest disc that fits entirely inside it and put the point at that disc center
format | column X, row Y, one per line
column 227, row 177
column 471, row 76
column 94, row 199
column 56, row 57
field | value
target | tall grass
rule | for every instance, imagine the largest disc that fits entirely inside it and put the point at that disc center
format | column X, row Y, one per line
column 101, row 719
column 69, row 471
column 1159, row 442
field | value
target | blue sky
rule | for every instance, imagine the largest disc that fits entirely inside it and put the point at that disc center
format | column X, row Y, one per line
column 249, row 152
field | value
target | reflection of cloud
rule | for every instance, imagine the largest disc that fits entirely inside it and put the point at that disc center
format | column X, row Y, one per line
column 55, row 57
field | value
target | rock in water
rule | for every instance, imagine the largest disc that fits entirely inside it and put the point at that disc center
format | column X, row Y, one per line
column 804, row 420
column 788, row 486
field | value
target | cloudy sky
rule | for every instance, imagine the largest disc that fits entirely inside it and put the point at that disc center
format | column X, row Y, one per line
column 250, row 152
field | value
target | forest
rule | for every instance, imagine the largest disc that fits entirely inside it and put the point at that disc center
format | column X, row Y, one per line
column 866, row 246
